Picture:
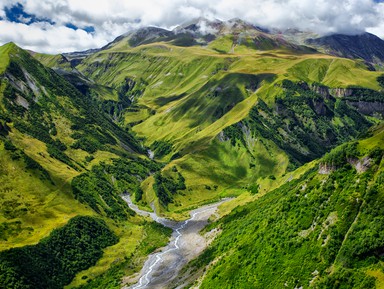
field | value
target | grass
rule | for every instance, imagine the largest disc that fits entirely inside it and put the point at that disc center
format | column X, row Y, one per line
column 377, row 138
column 4, row 55
column 130, row 235
column 190, row 95
column 32, row 205
column 125, row 258
column 180, row 81
column 53, row 61
column 379, row 276
column 37, row 204
column 307, row 224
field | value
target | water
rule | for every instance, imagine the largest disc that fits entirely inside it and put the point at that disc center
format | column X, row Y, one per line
column 186, row 243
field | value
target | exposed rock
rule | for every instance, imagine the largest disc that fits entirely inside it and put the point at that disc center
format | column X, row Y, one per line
column 148, row 35
column 368, row 108
column 322, row 90
column 22, row 101
column 341, row 92
column 361, row 165
column 320, row 108
column 222, row 137
column 326, row 169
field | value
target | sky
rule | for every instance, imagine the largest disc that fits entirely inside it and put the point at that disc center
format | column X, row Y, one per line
column 56, row 26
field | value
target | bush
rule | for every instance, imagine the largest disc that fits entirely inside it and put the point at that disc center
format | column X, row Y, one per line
column 55, row 260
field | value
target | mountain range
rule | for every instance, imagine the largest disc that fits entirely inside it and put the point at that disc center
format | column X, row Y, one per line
column 287, row 123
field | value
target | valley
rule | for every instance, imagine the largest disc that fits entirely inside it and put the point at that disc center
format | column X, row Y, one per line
column 115, row 162
column 186, row 244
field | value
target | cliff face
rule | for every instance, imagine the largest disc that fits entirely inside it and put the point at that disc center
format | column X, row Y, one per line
column 341, row 92
column 335, row 92
column 368, row 108
column 362, row 105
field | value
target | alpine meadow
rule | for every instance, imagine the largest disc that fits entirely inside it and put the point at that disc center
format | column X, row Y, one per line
column 214, row 154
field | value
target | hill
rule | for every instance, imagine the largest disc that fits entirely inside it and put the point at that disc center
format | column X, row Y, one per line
column 202, row 107
column 179, row 119
column 364, row 46
column 64, row 165
column 319, row 230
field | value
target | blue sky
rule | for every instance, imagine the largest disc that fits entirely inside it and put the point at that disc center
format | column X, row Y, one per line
column 55, row 26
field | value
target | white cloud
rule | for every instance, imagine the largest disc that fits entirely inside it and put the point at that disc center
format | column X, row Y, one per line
column 48, row 38
column 111, row 18
column 378, row 28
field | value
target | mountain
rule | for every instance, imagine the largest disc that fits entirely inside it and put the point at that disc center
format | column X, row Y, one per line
column 203, row 107
column 319, row 229
column 177, row 119
column 364, row 46
column 64, row 164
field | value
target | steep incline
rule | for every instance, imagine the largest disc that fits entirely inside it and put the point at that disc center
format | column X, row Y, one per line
column 321, row 230
column 191, row 105
column 63, row 166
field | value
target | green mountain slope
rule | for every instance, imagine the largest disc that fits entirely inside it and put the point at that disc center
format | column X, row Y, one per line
column 205, row 109
column 235, row 113
column 63, row 166
column 321, row 230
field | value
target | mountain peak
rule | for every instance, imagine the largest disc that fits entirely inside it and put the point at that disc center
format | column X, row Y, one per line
column 5, row 52
column 9, row 47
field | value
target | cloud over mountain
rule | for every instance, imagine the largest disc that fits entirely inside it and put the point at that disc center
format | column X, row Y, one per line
column 67, row 25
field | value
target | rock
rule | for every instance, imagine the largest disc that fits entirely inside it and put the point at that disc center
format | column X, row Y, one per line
column 322, row 90
column 368, row 108
column 361, row 165
column 340, row 92
column 326, row 169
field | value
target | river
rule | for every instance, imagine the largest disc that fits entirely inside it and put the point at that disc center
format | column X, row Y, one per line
column 186, row 243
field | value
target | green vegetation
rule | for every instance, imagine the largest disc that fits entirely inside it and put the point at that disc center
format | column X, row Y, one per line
column 237, row 115
column 166, row 187
column 302, row 123
column 101, row 187
column 155, row 236
column 161, row 148
column 322, row 230
column 264, row 94
column 380, row 80
column 62, row 158
column 55, row 260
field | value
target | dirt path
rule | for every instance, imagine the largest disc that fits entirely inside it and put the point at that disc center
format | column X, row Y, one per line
column 186, row 243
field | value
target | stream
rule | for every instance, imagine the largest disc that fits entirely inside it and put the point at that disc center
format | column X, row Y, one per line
column 162, row 267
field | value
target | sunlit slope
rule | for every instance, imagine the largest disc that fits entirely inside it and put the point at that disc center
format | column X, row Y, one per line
column 320, row 230
column 49, row 134
column 183, row 86
column 63, row 166
column 189, row 95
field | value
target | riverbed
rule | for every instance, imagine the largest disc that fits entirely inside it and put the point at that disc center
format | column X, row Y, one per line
column 162, row 267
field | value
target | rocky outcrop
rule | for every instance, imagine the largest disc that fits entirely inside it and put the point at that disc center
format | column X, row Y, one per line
column 22, row 101
column 368, row 108
column 320, row 108
column 340, row 92
column 222, row 137
column 148, row 35
column 326, row 169
column 360, row 165
column 322, row 90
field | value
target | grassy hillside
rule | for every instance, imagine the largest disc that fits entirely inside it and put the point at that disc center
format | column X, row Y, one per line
column 321, row 230
column 234, row 117
column 205, row 108
column 63, row 165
